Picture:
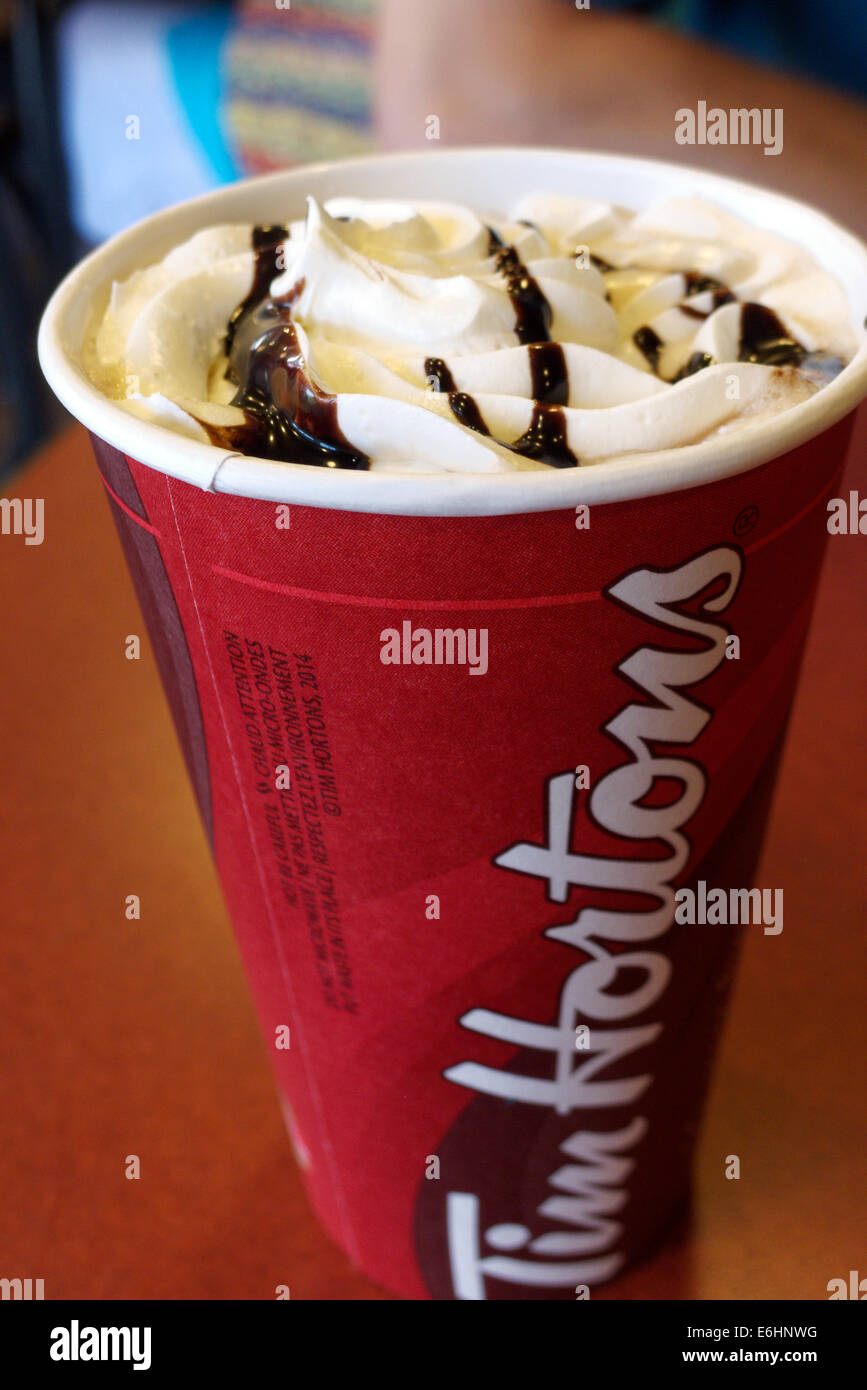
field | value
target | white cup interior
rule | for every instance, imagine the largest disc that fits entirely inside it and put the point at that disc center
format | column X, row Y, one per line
column 491, row 180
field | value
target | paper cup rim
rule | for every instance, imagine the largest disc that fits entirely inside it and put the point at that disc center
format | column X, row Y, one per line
column 68, row 315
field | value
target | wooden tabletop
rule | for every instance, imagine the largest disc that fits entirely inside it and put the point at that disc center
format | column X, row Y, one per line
column 123, row 1037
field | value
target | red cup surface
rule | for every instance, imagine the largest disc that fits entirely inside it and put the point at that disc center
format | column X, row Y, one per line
column 453, row 770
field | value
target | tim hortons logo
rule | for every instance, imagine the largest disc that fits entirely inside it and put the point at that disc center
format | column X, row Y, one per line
column 588, row 1192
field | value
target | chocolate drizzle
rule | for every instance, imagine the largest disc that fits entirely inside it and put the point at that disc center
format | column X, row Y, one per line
column 286, row 416
column 695, row 285
column 290, row 417
column 765, row 339
column 495, row 242
column 439, row 377
column 466, row 411
column 258, row 321
column 695, row 363
column 546, row 439
column 532, row 310
column 649, row 344
column 549, row 373
column 266, row 241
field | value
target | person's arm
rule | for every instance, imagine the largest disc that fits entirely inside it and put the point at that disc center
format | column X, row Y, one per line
column 511, row 71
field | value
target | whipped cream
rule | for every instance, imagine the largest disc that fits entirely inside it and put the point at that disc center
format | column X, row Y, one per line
column 424, row 337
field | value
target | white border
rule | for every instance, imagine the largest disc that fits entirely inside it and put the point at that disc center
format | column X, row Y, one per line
column 490, row 179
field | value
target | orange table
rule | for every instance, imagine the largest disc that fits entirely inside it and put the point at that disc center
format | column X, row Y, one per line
column 138, row 1037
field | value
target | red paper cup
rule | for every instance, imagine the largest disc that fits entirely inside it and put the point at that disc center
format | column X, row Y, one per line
column 457, row 741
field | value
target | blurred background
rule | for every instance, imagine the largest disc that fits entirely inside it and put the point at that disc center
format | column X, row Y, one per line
column 112, row 109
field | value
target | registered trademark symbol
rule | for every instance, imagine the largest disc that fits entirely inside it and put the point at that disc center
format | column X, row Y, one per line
column 745, row 521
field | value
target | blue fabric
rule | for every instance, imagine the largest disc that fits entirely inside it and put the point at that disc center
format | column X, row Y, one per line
column 113, row 65
column 194, row 48
column 825, row 39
